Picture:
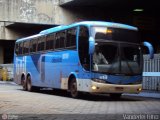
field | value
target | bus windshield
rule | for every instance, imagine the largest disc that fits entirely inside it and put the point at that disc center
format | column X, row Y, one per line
column 115, row 57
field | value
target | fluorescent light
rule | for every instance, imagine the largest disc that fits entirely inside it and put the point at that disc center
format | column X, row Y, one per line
column 138, row 10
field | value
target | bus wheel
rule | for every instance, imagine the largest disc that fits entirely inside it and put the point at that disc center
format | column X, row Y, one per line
column 115, row 95
column 24, row 85
column 73, row 88
column 29, row 84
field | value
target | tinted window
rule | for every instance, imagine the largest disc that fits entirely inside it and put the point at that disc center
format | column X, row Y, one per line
column 71, row 38
column 50, row 41
column 121, row 58
column 60, row 40
column 26, row 47
column 33, row 45
column 41, row 43
column 116, row 34
column 16, row 48
column 20, row 48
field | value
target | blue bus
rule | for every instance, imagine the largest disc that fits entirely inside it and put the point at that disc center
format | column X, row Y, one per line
column 90, row 56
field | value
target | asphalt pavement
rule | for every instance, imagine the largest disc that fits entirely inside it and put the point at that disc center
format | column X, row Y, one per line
column 143, row 93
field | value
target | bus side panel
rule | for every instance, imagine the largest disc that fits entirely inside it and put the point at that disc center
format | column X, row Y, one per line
column 58, row 67
column 84, row 79
column 19, row 68
column 69, row 66
column 16, row 80
column 49, row 72
column 33, row 68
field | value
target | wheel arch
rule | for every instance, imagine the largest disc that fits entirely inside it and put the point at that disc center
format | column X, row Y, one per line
column 23, row 77
column 72, row 75
column 29, row 74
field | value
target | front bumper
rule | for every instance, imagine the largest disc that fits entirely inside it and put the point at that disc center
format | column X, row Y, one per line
column 114, row 88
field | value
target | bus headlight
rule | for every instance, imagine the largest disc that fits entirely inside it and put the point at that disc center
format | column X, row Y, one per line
column 98, row 80
column 94, row 87
column 139, row 89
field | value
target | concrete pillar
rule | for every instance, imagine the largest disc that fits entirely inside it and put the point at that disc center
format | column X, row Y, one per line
column 37, row 11
column 9, row 34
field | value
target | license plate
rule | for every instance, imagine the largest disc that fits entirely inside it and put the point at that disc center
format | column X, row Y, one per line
column 119, row 88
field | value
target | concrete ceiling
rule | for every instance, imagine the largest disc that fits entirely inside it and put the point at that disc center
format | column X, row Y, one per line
column 28, row 28
column 113, row 4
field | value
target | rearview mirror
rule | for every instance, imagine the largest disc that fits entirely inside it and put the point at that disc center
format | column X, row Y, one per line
column 150, row 48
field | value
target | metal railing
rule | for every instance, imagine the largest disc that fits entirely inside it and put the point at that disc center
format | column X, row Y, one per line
column 151, row 73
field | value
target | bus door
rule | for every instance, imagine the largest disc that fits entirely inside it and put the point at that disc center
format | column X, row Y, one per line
column 46, row 70
column 42, row 68
column 83, row 49
column 57, row 70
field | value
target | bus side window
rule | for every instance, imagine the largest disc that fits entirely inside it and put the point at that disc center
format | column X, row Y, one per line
column 16, row 48
column 26, row 47
column 41, row 43
column 20, row 48
column 33, row 45
column 71, row 38
column 60, row 40
column 50, row 41
column 30, row 48
column 84, row 47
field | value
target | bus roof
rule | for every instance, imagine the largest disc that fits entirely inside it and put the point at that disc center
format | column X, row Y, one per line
column 85, row 23
column 89, row 23
column 30, row 37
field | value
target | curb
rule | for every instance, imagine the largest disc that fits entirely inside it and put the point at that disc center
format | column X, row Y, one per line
column 8, row 82
column 145, row 94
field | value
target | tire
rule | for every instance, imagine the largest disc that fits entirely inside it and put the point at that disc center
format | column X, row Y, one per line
column 73, row 88
column 29, row 84
column 24, row 84
column 115, row 95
